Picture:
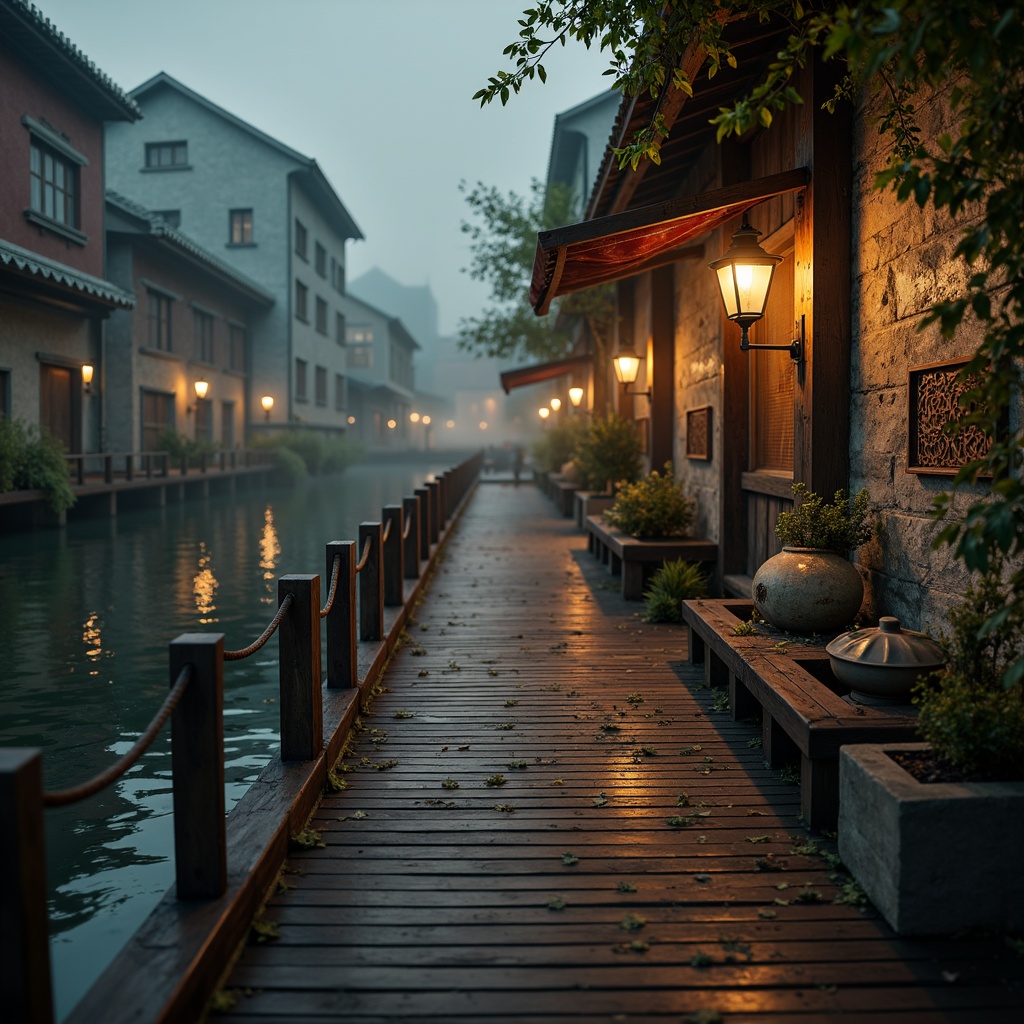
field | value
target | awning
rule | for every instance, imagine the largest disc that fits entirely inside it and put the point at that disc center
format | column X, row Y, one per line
column 543, row 371
column 609, row 248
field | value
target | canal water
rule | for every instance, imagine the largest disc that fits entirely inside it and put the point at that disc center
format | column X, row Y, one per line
column 86, row 614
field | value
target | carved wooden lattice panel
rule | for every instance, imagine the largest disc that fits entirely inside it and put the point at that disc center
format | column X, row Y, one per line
column 934, row 396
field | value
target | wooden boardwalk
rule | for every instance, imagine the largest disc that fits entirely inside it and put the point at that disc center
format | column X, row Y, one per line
column 547, row 819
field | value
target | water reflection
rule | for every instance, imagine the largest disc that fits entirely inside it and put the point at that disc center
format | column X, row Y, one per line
column 204, row 585
column 89, row 612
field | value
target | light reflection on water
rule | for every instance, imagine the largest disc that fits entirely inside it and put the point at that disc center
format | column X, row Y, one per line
column 88, row 613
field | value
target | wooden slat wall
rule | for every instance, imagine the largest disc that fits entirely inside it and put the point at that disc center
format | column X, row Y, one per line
column 429, row 903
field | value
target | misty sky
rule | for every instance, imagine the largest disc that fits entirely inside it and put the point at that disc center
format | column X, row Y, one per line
column 377, row 91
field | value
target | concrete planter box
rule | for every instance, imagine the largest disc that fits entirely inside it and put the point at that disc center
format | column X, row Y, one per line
column 934, row 858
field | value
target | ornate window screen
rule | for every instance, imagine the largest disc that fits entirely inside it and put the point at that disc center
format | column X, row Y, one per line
column 934, row 394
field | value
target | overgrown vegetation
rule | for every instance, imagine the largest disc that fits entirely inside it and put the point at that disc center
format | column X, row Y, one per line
column 839, row 525
column 972, row 722
column 909, row 58
column 653, row 506
column 302, row 453
column 31, row 459
column 557, row 443
column 608, row 453
column 676, row 581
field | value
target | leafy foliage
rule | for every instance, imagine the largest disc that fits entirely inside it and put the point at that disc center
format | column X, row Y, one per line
column 840, row 525
column 33, row 459
column 609, row 452
column 653, row 506
column 967, row 56
column 676, row 581
column 973, row 721
column 557, row 443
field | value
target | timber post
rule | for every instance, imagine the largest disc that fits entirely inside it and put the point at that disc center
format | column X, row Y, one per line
column 302, row 725
column 371, row 592
column 394, row 570
column 342, row 661
column 411, row 552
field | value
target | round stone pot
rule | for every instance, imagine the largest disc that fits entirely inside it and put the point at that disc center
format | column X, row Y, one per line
column 808, row 590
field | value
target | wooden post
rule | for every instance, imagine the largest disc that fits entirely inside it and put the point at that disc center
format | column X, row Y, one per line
column 411, row 554
column 302, row 723
column 342, row 664
column 371, row 592
column 197, row 767
column 426, row 518
column 394, row 570
column 434, row 490
column 24, row 939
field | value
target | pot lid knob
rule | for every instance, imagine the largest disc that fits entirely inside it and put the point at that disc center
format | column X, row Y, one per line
column 889, row 624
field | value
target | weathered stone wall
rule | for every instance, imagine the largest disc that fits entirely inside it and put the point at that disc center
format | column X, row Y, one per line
column 902, row 262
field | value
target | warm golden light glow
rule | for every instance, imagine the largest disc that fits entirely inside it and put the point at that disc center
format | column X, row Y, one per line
column 270, row 551
column 351, row 420
column 543, row 412
column 426, row 421
column 204, row 587
column 93, row 640
column 556, row 404
column 627, row 366
column 450, row 424
column 201, row 387
column 87, row 372
column 575, row 396
column 392, row 424
column 414, row 417
column 483, row 424
column 267, row 401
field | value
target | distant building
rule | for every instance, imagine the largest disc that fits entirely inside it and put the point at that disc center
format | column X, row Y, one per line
column 578, row 142
column 54, row 296
column 381, row 379
column 270, row 212
column 190, row 323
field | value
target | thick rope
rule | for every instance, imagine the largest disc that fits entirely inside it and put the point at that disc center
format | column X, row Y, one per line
column 61, row 797
column 265, row 636
column 387, row 532
column 407, row 528
column 332, row 593
column 365, row 556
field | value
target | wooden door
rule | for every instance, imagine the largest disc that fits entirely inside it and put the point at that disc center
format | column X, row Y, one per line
column 60, row 405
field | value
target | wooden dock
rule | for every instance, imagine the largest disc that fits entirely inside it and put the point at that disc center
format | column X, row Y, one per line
column 548, row 818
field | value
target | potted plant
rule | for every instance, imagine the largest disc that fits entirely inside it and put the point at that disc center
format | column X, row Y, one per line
column 811, row 586
column 933, row 831
column 654, row 506
column 675, row 582
column 608, row 453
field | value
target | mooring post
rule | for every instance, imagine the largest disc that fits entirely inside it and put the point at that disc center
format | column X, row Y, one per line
column 371, row 591
column 302, row 723
column 24, row 933
column 434, row 489
column 411, row 527
column 340, row 622
column 394, row 568
column 197, row 767
column 426, row 531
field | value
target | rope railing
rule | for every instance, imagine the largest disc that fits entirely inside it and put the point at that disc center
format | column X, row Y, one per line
column 332, row 593
column 63, row 797
column 264, row 636
column 353, row 614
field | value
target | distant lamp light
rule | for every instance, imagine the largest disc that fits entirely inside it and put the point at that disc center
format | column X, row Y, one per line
column 543, row 412
column 267, row 401
column 483, row 424
column 392, row 424
column 575, row 396
column 556, row 404
column 426, row 421
column 414, row 417
column 202, row 387
column 745, row 275
column 351, row 420
column 87, row 372
column 450, row 424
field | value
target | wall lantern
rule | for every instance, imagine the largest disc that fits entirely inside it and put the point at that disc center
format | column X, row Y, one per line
column 267, row 401
column 575, row 396
column 627, row 366
column 201, row 387
column 87, row 372
column 414, row 417
column 556, row 404
column 745, row 278
column 426, row 421
column 543, row 412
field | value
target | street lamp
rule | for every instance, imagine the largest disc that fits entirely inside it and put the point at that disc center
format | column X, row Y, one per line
column 627, row 366
column 87, row 372
column 543, row 412
column 556, row 404
column 575, row 396
column 745, row 278
column 267, row 401
column 202, row 387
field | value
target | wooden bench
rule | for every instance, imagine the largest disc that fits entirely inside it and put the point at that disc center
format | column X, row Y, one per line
column 637, row 560
column 803, row 707
column 561, row 491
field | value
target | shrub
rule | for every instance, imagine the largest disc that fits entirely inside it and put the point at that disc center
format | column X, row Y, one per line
column 339, row 454
column 179, row 446
column 654, row 506
column 972, row 722
column 556, row 445
column 608, row 453
column 31, row 459
column 673, row 583
column 840, row 525
column 290, row 467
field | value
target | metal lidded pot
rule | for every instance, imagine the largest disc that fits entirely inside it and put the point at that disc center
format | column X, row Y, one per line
column 881, row 665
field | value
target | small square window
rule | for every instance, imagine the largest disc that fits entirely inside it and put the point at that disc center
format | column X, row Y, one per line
column 320, row 259
column 203, row 327
column 301, row 239
column 163, row 155
column 301, row 301
column 321, row 315
column 240, row 227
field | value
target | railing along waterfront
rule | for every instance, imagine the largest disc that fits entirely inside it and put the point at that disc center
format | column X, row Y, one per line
column 360, row 588
column 129, row 466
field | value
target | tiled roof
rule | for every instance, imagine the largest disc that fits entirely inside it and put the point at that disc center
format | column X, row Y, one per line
column 33, row 264
column 29, row 31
